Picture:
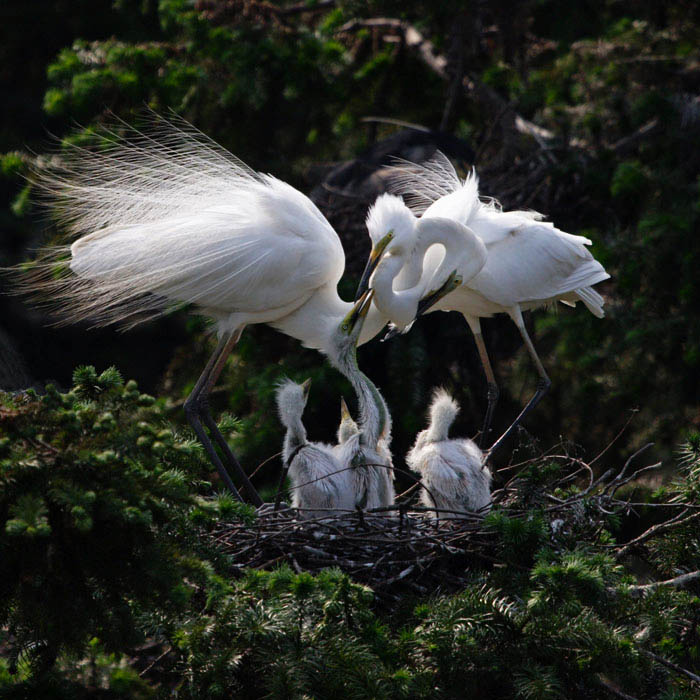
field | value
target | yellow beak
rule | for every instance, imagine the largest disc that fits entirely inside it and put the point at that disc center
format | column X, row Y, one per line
column 374, row 257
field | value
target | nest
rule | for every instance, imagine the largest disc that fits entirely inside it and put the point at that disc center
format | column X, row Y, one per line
column 397, row 552
column 408, row 551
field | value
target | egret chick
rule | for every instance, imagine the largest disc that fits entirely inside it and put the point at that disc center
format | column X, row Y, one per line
column 348, row 428
column 372, row 470
column 452, row 470
column 320, row 483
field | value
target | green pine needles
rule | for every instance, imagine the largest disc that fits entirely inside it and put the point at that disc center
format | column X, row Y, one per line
column 100, row 518
column 110, row 543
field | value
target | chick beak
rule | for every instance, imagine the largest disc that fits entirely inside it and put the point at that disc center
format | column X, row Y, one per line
column 358, row 312
column 374, row 257
column 344, row 411
column 305, row 387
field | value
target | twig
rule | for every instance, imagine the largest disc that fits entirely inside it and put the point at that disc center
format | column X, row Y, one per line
column 155, row 661
column 616, row 438
column 262, row 464
column 681, row 580
column 671, row 665
column 657, row 529
column 611, row 688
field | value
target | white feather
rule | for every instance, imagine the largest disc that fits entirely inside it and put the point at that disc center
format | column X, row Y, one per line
column 529, row 263
column 176, row 219
column 452, row 471
column 321, row 484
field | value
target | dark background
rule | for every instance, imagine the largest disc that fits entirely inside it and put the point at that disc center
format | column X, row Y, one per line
column 609, row 90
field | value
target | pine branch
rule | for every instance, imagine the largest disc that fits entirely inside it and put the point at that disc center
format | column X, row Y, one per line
column 681, row 580
column 669, row 664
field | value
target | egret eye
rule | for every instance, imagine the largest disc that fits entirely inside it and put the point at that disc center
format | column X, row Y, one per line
column 345, row 326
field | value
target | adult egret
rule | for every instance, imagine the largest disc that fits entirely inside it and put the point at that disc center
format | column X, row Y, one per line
column 452, row 470
column 173, row 218
column 398, row 239
column 529, row 263
column 320, row 483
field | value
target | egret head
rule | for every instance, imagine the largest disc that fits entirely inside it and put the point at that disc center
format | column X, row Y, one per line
column 392, row 227
column 291, row 399
column 343, row 341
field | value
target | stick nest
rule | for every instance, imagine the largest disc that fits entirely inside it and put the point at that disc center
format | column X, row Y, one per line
column 396, row 553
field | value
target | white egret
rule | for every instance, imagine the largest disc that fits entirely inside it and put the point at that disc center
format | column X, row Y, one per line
column 453, row 472
column 398, row 239
column 320, row 482
column 174, row 218
column 529, row 263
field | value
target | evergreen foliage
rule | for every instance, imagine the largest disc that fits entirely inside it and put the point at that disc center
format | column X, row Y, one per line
column 100, row 521
column 108, row 521
column 107, row 540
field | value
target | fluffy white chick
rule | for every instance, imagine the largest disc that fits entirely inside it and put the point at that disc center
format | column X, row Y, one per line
column 453, row 471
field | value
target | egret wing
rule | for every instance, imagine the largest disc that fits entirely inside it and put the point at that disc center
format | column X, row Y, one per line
column 536, row 261
column 178, row 219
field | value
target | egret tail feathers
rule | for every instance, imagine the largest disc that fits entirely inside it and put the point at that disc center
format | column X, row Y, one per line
column 593, row 301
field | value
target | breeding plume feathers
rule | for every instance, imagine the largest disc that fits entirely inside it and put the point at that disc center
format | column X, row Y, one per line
column 436, row 178
column 169, row 217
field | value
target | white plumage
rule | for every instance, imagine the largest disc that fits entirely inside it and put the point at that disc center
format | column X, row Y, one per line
column 372, row 467
column 453, row 249
column 528, row 262
column 172, row 218
column 320, row 482
column 451, row 470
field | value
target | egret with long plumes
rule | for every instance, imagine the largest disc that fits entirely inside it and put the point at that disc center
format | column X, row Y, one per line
column 171, row 218
column 528, row 263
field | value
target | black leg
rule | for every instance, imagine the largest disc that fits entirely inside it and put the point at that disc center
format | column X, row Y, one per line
column 197, row 410
column 543, row 383
column 493, row 392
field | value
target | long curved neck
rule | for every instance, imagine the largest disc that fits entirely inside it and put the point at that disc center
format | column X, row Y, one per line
column 460, row 249
column 374, row 414
column 399, row 306
column 315, row 321
column 295, row 437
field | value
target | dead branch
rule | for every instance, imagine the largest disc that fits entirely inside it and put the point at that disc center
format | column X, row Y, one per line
column 681, row 580
column 681, row 519
column 501, row 111
column 669, row 664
